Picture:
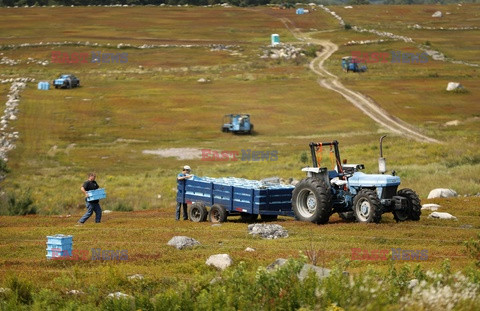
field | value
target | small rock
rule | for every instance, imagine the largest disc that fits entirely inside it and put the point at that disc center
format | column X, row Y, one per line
column 438, row 215
column 118, row 295
column 107, row 211
column 75, row 292
column 216, row 225
column 437, row 14
column 276, row 264
column 249, row 249
column 136, row 277
column 430, row 207
column 219, row 261
column 181, row 242
column 452, row 86
column 319, row 271
column 441, row 193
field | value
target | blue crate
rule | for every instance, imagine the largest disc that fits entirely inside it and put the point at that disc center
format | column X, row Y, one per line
column 96, row 194
column 59, row 244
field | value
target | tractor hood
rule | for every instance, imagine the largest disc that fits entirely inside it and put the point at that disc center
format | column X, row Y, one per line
column 360, row 179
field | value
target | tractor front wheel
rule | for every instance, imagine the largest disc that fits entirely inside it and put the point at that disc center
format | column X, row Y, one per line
column 312, row 201
column 414, row 209
column 367, row 207
column 197, row 212
column 217, row 214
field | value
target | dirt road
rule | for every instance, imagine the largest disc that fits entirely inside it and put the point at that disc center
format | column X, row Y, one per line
column 363, row 103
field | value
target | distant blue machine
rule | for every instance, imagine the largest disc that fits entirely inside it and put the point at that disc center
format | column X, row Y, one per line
column 66, row 81
column 237, row 124
column 234, row 196
column 351, row 63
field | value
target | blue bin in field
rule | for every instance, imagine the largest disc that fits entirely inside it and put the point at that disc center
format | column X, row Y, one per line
column 44, row 85
column 59, row 245
column 300, row 11
column 275, row 39
column 96, row 194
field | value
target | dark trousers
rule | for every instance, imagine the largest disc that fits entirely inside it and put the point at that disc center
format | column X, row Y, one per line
column 177, row 212
column 92, row 207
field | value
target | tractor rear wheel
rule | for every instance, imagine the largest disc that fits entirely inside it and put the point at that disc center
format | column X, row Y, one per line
column 312, row 201
column 197, row 212
column 248, row 217
column 367, row 207
column 413, row 201
column 217, row 214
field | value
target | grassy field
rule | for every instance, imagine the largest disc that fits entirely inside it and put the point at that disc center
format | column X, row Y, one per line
column 155, row 102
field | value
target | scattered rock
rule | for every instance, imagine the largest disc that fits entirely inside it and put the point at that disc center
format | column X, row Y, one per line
column 219, row 261
column 203, row 80
column 437, row 14
column 181, row 242
column 107, row 211
column 441, row 193
column 136, row 277
column 319, row 271
column 430, row 207
column 438, row 215
column 75, row 292
column 268, row 231
column 452, row 86
column 249, row 249
column 118, row 295
column 276, row 264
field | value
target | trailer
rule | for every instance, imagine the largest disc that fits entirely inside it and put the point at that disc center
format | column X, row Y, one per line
column 218, row 198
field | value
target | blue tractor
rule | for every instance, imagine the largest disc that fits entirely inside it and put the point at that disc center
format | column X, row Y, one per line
column 237, row 124
column 351, row 63
column 351, row 193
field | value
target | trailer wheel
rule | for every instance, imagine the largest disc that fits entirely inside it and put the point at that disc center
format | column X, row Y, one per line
column 312, row 201
column 197, row 212
column 367, row 207
column 413, row 201
column 248, row 217
column 217, row 214
column 269, row 217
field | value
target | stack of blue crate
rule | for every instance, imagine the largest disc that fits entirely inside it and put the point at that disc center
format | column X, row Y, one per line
column 59, row 245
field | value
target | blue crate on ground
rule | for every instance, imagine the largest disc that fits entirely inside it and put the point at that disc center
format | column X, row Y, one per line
column 96, row 194
column 59, row 245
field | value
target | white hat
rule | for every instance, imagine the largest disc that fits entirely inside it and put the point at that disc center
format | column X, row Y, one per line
column 186, row 167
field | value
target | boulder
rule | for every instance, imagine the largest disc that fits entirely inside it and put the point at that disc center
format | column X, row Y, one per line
column 437, row 14
column 452, row 86
column 442, row 193
column 268, row 231
column 181, row 242
column 430, row 207
column 319, row 271
column 438, row 215
column 219, row 261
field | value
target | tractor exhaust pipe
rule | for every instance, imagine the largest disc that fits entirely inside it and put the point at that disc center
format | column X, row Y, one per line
column 382, row 163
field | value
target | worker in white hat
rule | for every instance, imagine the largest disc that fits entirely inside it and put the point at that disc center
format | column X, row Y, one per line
column 185, row 174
